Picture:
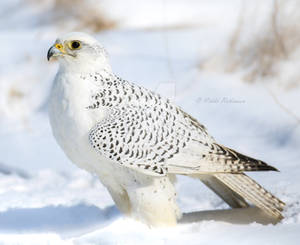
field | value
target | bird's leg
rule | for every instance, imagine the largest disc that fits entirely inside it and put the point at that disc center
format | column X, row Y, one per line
column 121, row 200
column 155, row 203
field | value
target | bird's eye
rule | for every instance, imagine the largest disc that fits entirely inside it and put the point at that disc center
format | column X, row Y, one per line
column 74, row 45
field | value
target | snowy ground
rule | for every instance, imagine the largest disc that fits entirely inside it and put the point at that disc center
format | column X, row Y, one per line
column 44, row 199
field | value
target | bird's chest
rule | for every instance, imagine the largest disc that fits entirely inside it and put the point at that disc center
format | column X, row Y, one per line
column 71, row 120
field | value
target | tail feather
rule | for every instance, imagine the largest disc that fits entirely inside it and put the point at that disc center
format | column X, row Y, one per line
column 232, row 198
column 241, row 162
column 253, row 192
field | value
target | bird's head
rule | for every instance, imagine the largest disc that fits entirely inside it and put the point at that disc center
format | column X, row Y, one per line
column 77, row 51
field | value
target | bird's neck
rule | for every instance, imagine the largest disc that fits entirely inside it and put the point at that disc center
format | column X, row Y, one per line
column 86, row 80
column 86, row 67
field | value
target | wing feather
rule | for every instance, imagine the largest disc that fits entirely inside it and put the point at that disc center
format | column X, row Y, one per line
column 148, row 133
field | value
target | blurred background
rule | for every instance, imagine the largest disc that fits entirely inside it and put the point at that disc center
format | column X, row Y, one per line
column 234, row 65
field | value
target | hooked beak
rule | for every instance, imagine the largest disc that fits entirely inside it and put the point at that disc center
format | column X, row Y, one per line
column 53, row 51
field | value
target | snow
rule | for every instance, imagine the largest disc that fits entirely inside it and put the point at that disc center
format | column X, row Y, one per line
column 161, row 44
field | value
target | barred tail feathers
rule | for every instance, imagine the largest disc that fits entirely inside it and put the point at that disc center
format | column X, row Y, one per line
column 249, row 189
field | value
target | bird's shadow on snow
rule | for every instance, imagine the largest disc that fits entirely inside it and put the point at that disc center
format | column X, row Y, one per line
column 80, row 219
column 64, row 220
column 233, row 216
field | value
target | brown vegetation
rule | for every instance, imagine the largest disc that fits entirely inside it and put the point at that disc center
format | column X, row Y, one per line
column 75, row 14
column 273, row 42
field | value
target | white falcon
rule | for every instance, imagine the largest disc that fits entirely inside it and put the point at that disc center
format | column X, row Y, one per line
column 136, row 142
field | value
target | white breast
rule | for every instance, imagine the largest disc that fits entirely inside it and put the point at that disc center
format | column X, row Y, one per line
column 71, row 121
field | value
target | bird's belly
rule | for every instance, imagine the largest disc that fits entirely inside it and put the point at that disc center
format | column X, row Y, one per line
column 71, row 123
column 73, row 137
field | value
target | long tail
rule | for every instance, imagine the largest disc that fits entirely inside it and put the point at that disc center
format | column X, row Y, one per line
column 250, row 190
column 233, row 199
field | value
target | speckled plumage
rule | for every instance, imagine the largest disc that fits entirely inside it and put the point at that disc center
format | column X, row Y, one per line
column 136, row 141
column 142, row 130
column 145, row 131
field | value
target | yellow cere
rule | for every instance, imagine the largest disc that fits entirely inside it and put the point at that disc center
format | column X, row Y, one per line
column 59, row 47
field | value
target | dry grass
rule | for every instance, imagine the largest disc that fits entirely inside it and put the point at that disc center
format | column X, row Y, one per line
column 273, row 42
column 75, row 14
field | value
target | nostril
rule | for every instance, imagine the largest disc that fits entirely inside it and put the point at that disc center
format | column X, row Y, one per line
column 58, row 46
